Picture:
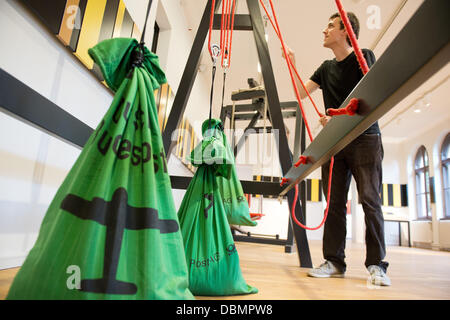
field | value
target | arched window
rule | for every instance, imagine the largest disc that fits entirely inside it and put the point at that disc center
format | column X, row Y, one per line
column 445, row 162
column 422, row 171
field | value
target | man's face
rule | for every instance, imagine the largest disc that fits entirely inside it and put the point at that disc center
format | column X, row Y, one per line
column 333, row 34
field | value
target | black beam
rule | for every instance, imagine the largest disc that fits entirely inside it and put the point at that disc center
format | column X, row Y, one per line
column 289, row 105
column 284, row 153
column 249, row 187
column 391, row 79
column 248, row 94
column 257, row 130
column 246, row 116
column 244, row 138
column 23, row 103
column 187, row 80
column 242, row 22
column 249, row 116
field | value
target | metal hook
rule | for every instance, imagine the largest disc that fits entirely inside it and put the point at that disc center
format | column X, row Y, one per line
column 215, row 50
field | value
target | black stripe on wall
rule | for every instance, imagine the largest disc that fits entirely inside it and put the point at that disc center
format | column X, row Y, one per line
column 127, row 26
column 308, row 189
column 109, row 19
column 390, row 188
column 404, row 195
column 50, row 14
column 320, row 190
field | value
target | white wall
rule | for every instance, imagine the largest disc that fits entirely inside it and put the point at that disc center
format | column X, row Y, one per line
column 34, row 164
column 427, row 233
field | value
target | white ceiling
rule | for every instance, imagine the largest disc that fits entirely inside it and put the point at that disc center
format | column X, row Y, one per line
column 301, row 23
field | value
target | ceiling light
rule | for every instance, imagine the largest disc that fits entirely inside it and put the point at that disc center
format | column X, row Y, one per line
column 259, row 67
column 417, row 111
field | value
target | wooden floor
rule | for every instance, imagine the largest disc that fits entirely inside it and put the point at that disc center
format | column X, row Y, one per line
column 415, row 274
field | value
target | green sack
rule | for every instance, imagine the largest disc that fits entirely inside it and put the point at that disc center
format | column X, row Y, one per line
column 234, row 201
column 230, row 188
column 211, row 255
column 112, row 232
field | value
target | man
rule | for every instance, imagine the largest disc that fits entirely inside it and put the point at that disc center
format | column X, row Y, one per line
column 362, row 158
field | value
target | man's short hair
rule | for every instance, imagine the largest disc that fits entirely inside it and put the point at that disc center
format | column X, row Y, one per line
column 353, row 21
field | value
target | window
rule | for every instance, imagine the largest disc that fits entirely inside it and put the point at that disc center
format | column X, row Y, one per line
column 422, row 172
column 445, row 162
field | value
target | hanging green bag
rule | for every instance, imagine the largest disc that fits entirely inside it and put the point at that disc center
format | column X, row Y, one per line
column 211, row 254
column 230, row 188
column 111, row 231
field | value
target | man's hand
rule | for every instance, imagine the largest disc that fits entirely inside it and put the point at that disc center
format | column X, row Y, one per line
column 324, row 120
column 291, row 54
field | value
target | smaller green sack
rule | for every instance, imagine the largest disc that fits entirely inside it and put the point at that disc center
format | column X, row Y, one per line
column 211, row 255
column 230, row 188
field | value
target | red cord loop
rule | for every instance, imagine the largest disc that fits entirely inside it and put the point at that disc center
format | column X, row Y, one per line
column 349, row 110
column 325, row 214
column 302, row 160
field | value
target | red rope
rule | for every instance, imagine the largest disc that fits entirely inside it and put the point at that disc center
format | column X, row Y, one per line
column 303, row 159
column 211, row 21
column 290, row 69
column 225, row 16
column 325, row 214
column 226, row 30
column 292, row 64
column 351, row 34
column 231, row 34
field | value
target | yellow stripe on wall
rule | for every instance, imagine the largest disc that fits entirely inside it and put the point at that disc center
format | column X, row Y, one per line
column 119, row 19
column 68, row 21
column 315, row 190
column 90, row 30
column 397, row 195
column 192, row 145
column 162, row 105
column 258, row 178
column 180, row 137
column 186, row 133
column 168, row 107
column 385, row 195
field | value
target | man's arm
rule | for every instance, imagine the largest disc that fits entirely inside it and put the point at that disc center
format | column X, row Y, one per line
column 310, row 85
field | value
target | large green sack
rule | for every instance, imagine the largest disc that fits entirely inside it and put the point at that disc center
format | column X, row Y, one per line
column 211, row 254
column 230, row 188
column 113, row 221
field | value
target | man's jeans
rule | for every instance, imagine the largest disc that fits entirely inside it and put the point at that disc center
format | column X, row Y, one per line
column 362, row 158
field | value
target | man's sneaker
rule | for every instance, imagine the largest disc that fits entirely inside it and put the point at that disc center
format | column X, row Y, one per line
column 378, row 277
column 326, row 270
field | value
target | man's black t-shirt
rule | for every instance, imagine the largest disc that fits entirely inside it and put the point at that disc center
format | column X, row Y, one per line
column 337, row 79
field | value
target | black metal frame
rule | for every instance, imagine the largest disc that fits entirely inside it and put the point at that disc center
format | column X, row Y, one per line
column 419, row 51
column 276, row 117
